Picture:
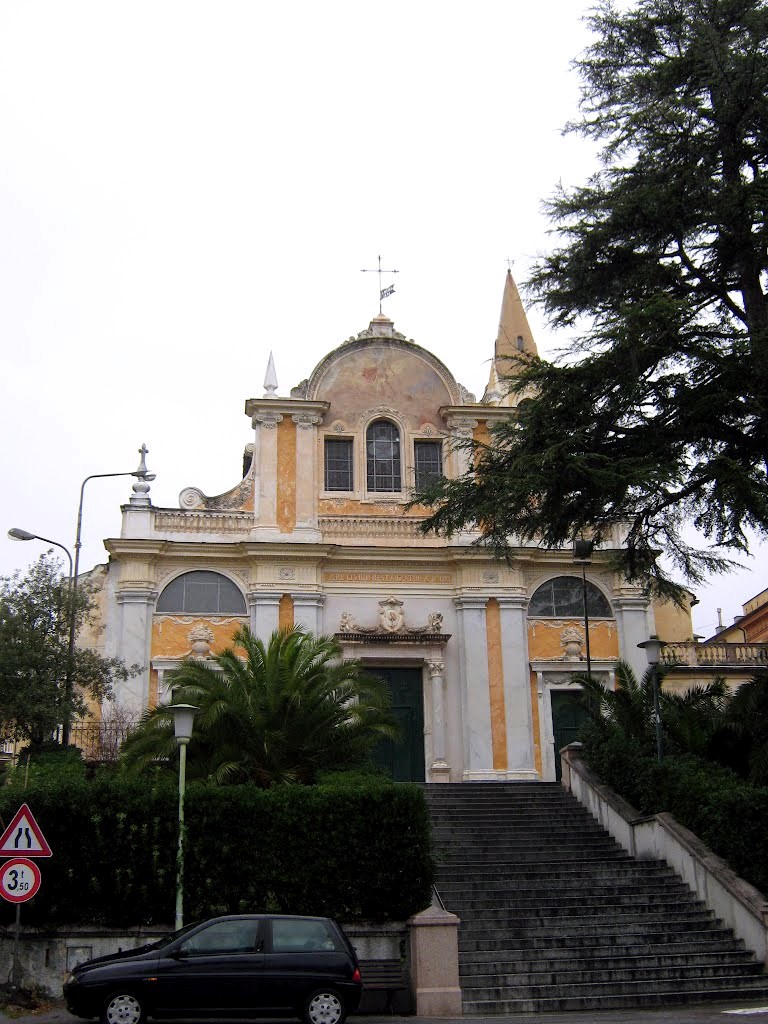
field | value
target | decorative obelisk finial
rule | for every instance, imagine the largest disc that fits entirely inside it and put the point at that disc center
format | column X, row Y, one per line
column 270, row 379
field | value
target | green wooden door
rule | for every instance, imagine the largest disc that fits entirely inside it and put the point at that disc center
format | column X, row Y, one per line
column 404, row 760
column 568, row 718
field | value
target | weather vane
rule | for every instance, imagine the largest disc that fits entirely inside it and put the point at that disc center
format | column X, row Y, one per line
column 384, row 293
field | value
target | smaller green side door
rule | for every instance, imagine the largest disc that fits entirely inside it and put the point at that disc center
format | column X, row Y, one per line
column 405, row 759
column 568, row 719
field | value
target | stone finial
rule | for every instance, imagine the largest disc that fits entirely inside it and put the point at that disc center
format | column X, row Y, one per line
column 270, row 380
column 140, row 489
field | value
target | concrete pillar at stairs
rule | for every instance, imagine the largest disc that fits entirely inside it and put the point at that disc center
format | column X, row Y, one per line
column 435, row 963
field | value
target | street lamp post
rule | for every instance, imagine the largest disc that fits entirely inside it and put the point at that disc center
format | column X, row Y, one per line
column 183, row 715
column 652, row 648
column 582, row 555
column 141, row 474
column 16, row 534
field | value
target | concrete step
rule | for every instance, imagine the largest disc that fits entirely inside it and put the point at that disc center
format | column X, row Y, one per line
column 596, row 1002
column 523, row 960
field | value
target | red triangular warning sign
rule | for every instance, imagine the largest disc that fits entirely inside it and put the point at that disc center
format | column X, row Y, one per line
column 23, row 837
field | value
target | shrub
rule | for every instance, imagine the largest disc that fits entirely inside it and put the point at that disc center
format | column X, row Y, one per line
column 346, row 849
column 724, row 811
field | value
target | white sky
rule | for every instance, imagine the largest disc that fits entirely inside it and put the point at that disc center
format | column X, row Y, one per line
column 185, row 186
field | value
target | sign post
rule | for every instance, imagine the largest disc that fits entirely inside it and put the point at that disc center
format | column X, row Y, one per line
column 20, row 876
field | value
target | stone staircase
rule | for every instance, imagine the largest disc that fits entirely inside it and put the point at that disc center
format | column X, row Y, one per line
column 555, row 916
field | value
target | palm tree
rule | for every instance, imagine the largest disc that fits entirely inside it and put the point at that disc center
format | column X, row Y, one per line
column 281, row 713
column 748, row 725
column 691, row 721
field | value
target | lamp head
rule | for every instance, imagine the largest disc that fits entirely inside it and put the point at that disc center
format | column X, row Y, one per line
column 183, row 714
column 16, row 534
column 582, row 550
column 652, row 648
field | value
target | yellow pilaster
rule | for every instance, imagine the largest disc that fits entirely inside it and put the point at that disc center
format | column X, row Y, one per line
column 286, row 475
column 285, row 619
column 496, row 684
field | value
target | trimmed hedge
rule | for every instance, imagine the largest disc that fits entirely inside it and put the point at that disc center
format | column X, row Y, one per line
column 342, row 849
column 724, row 811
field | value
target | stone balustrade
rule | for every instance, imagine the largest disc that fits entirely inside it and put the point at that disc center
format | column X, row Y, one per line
column 715, row 655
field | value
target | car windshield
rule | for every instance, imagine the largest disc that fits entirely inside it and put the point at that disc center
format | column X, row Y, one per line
column 164, row 940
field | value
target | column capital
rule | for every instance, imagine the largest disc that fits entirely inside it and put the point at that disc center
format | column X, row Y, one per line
column 470, row 601
column 305, row 420
column 263, row 597
column 267, row 419
column 310, row 600
column 136, row 595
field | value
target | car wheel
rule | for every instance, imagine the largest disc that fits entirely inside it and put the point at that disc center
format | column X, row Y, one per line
column 123, row 1008
column 324, row 1006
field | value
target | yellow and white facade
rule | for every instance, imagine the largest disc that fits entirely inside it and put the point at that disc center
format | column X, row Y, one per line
column 317, row 533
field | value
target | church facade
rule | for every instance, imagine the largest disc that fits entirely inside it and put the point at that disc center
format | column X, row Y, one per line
column 478, row 653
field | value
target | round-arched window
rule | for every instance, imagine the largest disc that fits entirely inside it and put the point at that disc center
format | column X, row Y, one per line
column 201, row 593
column 382, row 450
column 563, row 598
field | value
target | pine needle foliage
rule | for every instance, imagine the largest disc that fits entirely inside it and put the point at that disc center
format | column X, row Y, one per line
column 655, row 417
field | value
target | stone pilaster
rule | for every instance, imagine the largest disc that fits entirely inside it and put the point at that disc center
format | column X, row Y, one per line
column 264, row 607
column 308, row 611
column 517, row 690
column 439, row 770
column 306, row 477
column 635, row 624
column 265, row 448
column 475, row 695
column 134, row 609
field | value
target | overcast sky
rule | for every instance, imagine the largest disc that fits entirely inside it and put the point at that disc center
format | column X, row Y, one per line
column 186, row 186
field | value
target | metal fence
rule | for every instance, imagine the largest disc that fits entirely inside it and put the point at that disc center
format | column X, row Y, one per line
column 100, row 741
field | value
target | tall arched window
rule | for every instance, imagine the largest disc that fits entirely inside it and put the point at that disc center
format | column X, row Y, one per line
column 201, row 593
column 382, row 448
column 563, row 598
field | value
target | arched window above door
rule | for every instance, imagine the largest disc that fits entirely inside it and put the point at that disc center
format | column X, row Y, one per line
column 382, row 451
column 201, row 593
column 563, row 598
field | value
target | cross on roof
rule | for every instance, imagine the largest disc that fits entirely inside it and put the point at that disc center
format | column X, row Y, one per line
column 384, row 293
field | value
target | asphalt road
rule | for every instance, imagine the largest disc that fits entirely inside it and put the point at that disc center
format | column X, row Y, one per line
column 730, row 1013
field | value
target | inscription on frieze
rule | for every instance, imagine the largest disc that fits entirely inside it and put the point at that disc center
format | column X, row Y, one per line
column 387, row 577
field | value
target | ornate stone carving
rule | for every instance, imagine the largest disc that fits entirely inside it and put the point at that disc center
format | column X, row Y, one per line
column 462, row 426
column 305, row 421
column 286, row 572
column 490, row 576
column 392, row 620
column 467, row 398
column 191, row 497
column 378, row 410
column 300, row 391
column 436, row 668
column 200, row 639
column 572, row 640
column 268, row 420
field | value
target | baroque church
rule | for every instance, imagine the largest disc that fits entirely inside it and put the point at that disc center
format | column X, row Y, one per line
column 478, row 653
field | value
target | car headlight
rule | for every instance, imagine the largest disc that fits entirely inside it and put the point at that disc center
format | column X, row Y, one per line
column 71, row 979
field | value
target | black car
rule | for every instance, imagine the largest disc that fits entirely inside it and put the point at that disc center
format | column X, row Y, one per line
column 249, row 965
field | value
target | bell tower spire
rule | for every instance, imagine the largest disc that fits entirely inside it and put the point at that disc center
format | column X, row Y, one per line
column 514, row 340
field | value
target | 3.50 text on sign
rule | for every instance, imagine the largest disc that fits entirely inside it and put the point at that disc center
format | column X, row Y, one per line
column 19, row 880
